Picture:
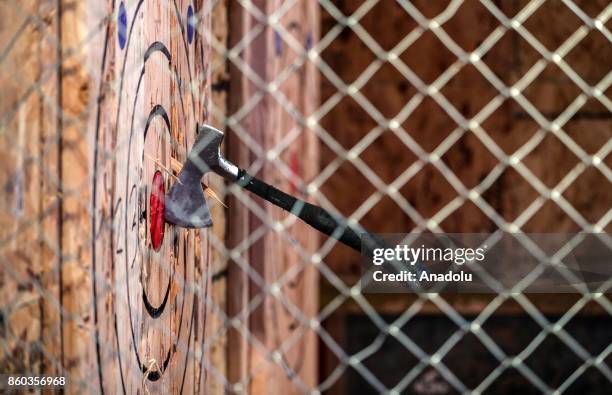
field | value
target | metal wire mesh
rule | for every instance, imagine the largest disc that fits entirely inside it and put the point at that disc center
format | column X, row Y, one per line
column 22, row 291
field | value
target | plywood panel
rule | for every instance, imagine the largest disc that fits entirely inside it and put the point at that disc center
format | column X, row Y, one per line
column 272, row 348
column 215, row 318
column 468, row 92
column 30, row 197
column 101, row 98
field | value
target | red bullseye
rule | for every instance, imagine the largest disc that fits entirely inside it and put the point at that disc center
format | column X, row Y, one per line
column 156, row 213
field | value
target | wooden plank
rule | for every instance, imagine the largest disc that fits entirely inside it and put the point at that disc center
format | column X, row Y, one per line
column 464, row 304
column 29, row 286
column 78, row 330
column 215, row 314
column 238, row 216
column 50, row 194
column 274, row 350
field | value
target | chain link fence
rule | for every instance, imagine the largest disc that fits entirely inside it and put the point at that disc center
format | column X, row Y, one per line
column 403, row 116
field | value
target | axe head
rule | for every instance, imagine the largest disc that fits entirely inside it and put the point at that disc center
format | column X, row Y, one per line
column 185, row 202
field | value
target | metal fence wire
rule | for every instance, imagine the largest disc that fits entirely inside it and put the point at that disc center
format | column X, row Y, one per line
column 77, row 262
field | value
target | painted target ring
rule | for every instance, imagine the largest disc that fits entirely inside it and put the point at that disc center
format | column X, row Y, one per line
column 143, row 285
column 157, row 204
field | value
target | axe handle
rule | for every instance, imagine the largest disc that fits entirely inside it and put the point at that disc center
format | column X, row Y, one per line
column 315, row 216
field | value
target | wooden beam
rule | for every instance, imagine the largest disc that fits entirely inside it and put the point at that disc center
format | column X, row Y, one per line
column 30, row 215
column 465, row 304
column 272, row 349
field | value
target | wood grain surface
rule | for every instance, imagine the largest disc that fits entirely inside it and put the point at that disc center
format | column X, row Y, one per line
column 101, row 95
column 30, row 220
column 271, row 348
column 428, row 191
column 152, row 327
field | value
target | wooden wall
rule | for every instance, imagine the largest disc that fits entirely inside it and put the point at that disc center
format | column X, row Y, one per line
column 509, row 126
column 271, row 349
column 101, row 95
column 30, row 225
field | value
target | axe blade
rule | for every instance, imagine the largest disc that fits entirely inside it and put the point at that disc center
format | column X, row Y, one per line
column 185, row 202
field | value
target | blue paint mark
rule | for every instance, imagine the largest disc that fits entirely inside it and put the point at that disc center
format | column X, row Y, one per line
column 122, row 25
column 308, row 41
column 15, row 186
column 190, row 24
column 278, row 44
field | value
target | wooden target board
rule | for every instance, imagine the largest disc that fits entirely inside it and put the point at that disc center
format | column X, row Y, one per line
column 99, row 290
column 149, row 276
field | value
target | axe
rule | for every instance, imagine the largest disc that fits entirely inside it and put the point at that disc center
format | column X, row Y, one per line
column 185, row 205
